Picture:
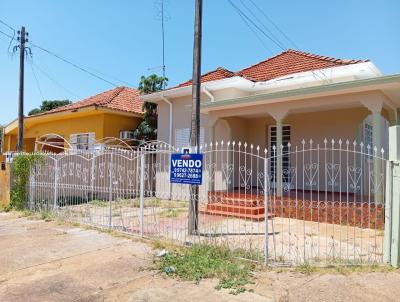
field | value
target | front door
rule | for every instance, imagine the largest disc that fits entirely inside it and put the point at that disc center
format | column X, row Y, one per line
column 286, row 132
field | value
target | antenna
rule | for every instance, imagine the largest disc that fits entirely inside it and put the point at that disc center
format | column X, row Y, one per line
column 163, row 37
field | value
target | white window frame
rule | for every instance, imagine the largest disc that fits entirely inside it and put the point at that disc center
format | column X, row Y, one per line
column 368, row 127
column 87, row 143
column 181, row 143
column 269, row 144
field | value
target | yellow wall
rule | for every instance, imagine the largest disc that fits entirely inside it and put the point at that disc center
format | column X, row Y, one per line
column 102, row 124
column 4, row 185
column 113, row 124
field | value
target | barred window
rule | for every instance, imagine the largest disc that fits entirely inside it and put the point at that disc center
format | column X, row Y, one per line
column 82, row 141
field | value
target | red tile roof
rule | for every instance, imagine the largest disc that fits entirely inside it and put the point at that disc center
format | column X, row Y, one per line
column 120, row 98
column 288, row 62
column 216, row 74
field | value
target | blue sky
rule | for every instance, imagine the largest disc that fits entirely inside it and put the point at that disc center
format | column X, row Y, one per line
column 122, row 38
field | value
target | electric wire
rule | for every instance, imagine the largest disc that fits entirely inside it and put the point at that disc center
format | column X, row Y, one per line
column 240, row 12
column 256, row 34
column 84, row 69
column 72, row 64
column 263, row 24
column 47, row 75
column 274, row 24
column 36, row 81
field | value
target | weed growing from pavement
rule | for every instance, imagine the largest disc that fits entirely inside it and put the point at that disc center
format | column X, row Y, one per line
column 345, row 269
column 5, row 208
column 171, row 213
column 206, row 261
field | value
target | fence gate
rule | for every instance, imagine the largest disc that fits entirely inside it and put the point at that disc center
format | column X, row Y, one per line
column 315, row 202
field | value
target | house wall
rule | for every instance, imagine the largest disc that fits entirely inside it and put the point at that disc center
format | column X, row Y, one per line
column 248, row 125
column 344, row 124
column 182, row 108
column 114, row 123
column 102, row 124
column 66, row 127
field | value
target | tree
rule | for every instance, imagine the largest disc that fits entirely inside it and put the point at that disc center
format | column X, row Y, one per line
column 147, row 129
column 49, row 105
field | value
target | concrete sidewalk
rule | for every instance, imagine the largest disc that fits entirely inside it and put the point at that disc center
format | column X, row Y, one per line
column 46, row 261
column 49, row 261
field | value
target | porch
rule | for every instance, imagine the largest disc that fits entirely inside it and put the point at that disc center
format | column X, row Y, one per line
column 326, row 152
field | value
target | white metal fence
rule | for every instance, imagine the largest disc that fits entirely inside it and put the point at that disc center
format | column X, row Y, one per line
column 308, row 203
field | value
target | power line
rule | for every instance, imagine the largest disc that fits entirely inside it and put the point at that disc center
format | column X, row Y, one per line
column 72, row 64
column 262, row 24
column 55, row 81
column 7, row 35
column 8, row 25
column 273, row 23
column 240, row 12
column 81, row 68
column 256, row 34
column 11, row 38
column 36, row 81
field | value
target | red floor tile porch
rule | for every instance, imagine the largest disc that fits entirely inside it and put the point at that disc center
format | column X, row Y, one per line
column 325, row 207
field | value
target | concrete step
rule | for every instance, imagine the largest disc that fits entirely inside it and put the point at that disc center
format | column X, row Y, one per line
column 252, row 217
column 235, row 208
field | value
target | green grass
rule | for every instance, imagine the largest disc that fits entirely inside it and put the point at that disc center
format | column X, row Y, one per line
column 205, row 261
column 99, row 203
column 46, row 216
column 171, row 213
column 344, row 269
column 148, row 203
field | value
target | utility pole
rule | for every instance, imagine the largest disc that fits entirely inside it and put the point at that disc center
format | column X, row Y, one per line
column 195, row 125
column 20, row 144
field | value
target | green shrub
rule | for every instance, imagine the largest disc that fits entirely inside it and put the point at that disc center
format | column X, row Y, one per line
column 22, row 165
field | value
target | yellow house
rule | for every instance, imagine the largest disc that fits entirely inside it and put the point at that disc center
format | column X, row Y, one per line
column 113, row 113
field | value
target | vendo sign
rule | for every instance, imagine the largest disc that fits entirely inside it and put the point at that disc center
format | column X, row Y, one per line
column 186, row 168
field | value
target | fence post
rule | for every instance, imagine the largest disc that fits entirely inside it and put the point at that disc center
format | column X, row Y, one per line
column 110, row 192
column 388, row 212
column 266, row 211
column 142, row 158
column 392, row 227
column 55, row 183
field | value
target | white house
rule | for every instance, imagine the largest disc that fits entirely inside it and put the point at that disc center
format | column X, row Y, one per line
column 294, row 97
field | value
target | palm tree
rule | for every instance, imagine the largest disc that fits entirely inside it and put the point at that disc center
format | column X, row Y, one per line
column 147, row 129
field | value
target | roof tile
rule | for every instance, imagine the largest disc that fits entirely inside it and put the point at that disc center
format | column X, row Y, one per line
column 216, row 74
column 120, row 98
column 288, row 62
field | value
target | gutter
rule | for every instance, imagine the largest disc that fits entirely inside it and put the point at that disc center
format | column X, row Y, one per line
column 209, row 94
column 370, row 84
column 170, row 117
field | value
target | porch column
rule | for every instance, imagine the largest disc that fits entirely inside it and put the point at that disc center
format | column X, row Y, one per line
column 279, row 115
